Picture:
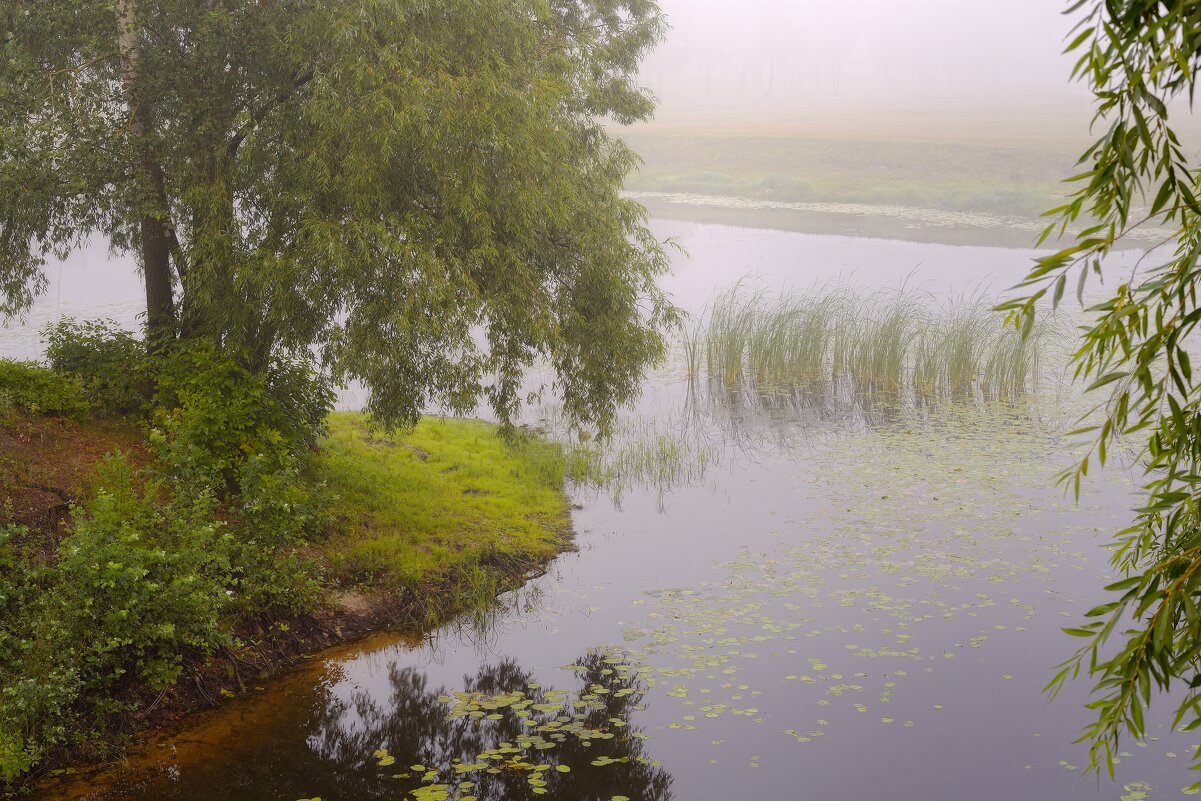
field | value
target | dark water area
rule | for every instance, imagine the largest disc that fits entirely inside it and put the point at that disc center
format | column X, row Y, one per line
column 839, row 604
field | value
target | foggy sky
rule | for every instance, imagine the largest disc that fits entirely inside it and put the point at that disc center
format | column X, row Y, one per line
column 721, row 54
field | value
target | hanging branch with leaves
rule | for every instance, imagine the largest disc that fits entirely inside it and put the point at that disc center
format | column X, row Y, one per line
column 1139, row 58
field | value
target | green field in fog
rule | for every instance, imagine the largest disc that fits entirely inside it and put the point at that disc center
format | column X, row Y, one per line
column 858, row 167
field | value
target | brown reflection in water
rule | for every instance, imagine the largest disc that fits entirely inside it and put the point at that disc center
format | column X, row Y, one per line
column 308, row 737
column 243, row 724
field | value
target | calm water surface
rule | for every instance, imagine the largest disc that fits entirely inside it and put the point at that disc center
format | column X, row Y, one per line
column 844, row 603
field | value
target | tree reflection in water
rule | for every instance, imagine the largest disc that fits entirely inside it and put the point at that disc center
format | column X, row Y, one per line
column 412, row 724
column 307, row 739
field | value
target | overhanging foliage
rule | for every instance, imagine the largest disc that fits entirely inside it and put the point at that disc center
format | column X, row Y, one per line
column 425, row 191
column 1138, row 57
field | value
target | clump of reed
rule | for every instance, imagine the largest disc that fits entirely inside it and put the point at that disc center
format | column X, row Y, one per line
column 888, row 341
column 662, row 461
column 655, row 452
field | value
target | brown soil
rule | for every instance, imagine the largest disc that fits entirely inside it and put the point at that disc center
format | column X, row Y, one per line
column 47, row 462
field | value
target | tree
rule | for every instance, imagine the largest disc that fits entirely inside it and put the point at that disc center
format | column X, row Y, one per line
column 1138, row 56
column 426, row 193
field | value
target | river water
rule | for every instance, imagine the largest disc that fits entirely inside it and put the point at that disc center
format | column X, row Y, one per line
column 821, row 602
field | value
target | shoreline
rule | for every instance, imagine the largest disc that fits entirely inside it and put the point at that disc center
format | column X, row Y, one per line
column 464, row 572
column 208, row 686
column 857, row 225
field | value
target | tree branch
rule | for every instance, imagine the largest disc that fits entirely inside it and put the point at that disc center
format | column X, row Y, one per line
column 259, row 114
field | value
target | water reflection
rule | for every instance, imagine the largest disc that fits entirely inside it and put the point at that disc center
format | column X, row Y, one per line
column 393, row 739
column 412, row 721
column 685, row 429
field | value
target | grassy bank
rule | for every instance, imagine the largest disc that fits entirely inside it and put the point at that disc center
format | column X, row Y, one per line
column 143, row 576
column 859, row 167
column 443, row 511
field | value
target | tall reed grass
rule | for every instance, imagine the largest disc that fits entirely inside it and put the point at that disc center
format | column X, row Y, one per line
column 889, row 341
column 662, row 452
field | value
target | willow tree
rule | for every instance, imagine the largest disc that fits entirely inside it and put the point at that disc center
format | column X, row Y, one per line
column 424, row 192
column 1140, row 58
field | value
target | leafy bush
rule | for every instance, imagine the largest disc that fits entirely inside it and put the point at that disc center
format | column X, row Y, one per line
column 110, row 362
column 154, row 570
column 222, row 431
column 226, row 432
column 39, row 390
column 134, row 588
column 15, row 760
column 18, row 749
column 215, row 414
column 160, row 563
column 275, row 511
column 302, row 400
column 139, row 583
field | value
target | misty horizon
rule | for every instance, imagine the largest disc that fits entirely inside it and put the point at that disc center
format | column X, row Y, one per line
column 784, row 60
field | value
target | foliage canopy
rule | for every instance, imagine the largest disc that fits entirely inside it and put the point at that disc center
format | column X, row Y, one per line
column 1137, row 57
column 426, row 192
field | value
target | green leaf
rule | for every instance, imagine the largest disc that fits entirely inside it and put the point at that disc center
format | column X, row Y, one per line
column 1079, row 632
column 1107, row 379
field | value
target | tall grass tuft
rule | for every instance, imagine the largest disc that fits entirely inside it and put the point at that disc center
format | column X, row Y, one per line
column 886, row 342
column 659, row 452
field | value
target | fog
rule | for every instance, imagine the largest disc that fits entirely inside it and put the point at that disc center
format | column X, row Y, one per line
column 775, row 59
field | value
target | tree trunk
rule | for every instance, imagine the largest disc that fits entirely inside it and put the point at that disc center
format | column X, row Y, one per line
column 151, row 190
column 156, row 265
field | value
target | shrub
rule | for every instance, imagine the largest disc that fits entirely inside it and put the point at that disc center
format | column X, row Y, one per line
column 302, row 399
column 15, row 758
column 111, row 363
column 133, row 588
column 138, row 583
column 214, row 413
column 224, row 431
column 17, row 750
column 159, row 562
column 39, row 390
column 153, row 571
column 275, row 511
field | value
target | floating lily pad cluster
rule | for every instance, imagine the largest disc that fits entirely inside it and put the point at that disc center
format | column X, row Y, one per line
column 920, row 526
column 917, row 527
column 543, row 722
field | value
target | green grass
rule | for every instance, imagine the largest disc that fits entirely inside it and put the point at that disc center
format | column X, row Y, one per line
column 995, row 178
column 439, row 503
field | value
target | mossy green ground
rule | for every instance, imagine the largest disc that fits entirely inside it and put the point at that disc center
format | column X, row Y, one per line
column 445, row 498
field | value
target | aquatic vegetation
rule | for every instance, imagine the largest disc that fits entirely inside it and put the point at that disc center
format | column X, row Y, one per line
column 513, row 736
column 661, row 461
column 853, row 587
column 886, row 342
column 660, row 453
